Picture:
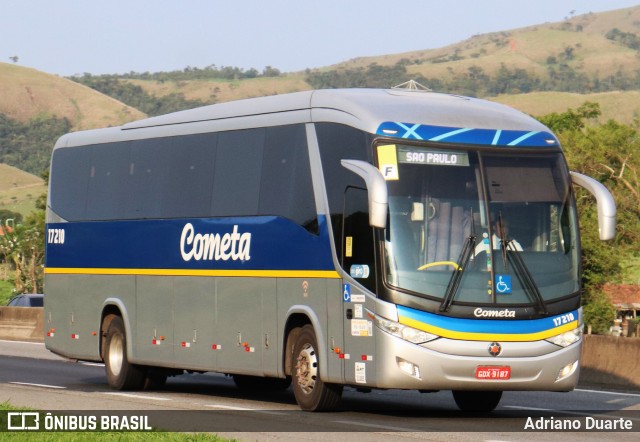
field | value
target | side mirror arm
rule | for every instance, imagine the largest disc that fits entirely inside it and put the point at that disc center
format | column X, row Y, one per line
column 606, row 204
column 376, row 190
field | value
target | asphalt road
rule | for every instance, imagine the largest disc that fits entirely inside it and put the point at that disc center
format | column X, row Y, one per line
column 31, row 376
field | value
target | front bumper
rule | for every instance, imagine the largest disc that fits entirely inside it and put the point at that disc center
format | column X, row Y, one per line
column 446, row 364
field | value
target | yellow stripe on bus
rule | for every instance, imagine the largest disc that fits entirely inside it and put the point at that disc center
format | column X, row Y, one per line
column 330, row 274
column 470, row 336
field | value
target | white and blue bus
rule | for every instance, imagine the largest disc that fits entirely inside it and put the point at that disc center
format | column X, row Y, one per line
column 322, row 239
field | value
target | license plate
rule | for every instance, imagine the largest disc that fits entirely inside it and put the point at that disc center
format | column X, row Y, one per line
column 493, row 373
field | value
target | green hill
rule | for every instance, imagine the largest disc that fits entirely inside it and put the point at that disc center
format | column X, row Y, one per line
column 591, row 53
column 19, row 190
column 581, row 42
column 537, row 69
column 37, row 107
column 622, row 106
column 27, row 93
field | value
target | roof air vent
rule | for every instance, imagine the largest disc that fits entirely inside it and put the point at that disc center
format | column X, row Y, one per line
column 412, row 85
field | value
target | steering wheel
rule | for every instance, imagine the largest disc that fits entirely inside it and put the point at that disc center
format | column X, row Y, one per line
column 440, row 263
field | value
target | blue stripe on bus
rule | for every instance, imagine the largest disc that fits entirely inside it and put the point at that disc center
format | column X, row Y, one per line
column 269, row 243
column 489, row 137
column 464, row 327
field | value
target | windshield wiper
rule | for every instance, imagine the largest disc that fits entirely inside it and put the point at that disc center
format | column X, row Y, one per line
column 463, row 260
column 525, row 277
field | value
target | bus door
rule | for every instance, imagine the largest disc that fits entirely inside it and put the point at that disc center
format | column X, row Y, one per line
column 358, row 260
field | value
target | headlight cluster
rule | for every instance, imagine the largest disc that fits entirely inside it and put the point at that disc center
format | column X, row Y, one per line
column 402, row 331
column 567, row 338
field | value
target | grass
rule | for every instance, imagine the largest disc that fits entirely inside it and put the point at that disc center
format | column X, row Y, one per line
column 623, row 107
column 6, row 288
column 12, row 177
column 27, row 92
column 19, row 190
column 43, row 436
column 631, row 271
column 225, row 90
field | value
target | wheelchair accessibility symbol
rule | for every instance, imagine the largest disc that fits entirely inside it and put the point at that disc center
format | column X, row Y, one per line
column 503, row 284
column 346, row 292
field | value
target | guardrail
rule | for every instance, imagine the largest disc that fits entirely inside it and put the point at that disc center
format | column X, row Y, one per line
column 611, row 361
column 22, row 323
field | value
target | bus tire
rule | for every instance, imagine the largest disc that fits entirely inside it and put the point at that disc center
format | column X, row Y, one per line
column 311, row 393
column 121, row 375
column 477, row 401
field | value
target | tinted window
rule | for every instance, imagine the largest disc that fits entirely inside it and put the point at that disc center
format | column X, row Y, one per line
column 240, row 173
column 108, row 182
column 236, row 182
column 69, row 180
column 26, row 301
column 171, row 177
column 150, row 159
column 286, row 187
column 37, row 302
column 189, row 179
column 338, row 142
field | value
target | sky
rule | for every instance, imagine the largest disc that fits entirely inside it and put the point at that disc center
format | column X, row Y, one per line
column 70, row 37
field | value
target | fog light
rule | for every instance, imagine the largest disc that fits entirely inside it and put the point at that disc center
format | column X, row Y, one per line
column 567, row 371
column 409, row 368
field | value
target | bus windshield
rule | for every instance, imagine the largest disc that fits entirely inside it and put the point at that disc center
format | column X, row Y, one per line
column 474, row 227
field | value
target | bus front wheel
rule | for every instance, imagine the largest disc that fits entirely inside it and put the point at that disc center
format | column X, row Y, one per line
column 311, row 392
column 121, row 375
column 477, row 401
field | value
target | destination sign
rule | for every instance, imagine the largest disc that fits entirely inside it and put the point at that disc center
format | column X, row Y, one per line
column 410, row 155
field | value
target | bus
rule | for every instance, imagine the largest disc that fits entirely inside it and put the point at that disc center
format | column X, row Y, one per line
column 321, row 239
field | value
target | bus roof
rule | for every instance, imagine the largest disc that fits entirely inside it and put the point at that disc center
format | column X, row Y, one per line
column 365, row 109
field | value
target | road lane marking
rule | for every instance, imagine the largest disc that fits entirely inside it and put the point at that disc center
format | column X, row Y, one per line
column 23, row 342
column 137, row 396
column 29, row 384
column 257, row 410
column 609, row 392
column 93, row 364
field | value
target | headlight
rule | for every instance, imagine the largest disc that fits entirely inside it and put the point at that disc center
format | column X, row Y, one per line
column 402, row 331
column 567, row 338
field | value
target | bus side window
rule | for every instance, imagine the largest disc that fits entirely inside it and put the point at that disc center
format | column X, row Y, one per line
column 358, row 258
column 237, row 172
column 70, row 182
column 286, row 189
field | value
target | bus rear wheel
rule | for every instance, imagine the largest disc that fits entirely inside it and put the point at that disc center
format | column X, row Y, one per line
column 121, row 375
column 477, row 401
column 311, row 392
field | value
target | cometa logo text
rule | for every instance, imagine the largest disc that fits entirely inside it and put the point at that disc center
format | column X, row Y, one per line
column 482, row 313
column 214, row 247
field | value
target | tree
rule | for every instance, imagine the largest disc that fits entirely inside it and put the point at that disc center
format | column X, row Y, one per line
column 9, row 216
column 571, row 120
column 28, row 145
column 23, row 248
column 608, row 153
column 598, row 313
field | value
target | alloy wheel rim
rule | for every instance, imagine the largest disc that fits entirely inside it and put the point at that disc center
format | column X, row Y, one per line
column 307, row 368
